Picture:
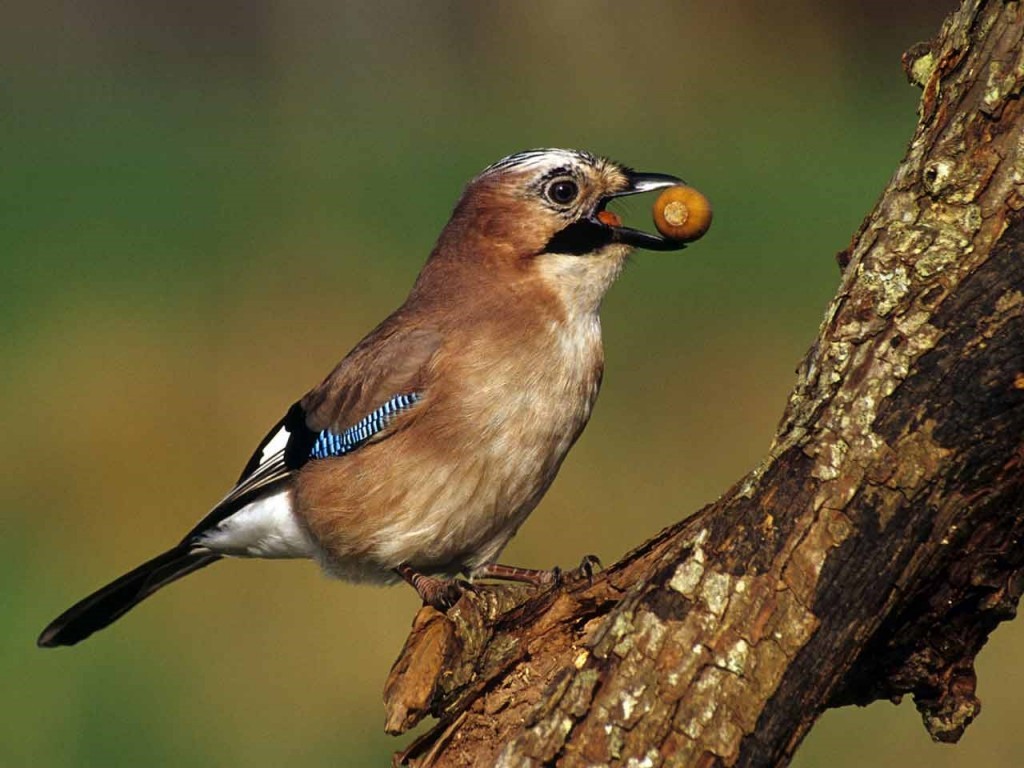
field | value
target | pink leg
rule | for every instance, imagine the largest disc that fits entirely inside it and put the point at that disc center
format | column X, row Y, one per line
column 535, row 576
column 540, row 578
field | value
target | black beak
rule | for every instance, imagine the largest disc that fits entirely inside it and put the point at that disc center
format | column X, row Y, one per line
column 640, row 182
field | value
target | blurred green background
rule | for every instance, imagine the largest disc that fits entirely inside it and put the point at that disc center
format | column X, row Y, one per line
column 205, row 204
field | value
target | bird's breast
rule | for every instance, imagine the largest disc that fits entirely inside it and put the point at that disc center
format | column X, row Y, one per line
column 491, row 432
column 536, row 402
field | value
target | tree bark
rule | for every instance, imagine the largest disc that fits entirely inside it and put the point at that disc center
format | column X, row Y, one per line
column 871, row 553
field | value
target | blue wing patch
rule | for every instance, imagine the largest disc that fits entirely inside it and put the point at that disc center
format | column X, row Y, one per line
column 330, row 444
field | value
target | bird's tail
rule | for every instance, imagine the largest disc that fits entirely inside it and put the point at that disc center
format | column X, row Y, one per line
column 108, row 604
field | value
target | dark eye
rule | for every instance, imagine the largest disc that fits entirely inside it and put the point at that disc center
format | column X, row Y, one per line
column 562, row 191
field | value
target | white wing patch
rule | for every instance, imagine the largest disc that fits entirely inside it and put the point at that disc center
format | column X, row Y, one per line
column 266, row 527
column 275, row 445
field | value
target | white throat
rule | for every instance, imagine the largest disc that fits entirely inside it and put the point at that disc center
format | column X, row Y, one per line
column 582, row 281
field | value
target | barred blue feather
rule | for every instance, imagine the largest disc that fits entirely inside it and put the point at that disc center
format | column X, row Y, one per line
column 330, row 444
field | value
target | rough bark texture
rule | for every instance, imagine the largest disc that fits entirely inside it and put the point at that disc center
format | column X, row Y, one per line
column 871, row 553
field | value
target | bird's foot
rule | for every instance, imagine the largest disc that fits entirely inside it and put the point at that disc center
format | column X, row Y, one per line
column 539, row 577
column 436, row 592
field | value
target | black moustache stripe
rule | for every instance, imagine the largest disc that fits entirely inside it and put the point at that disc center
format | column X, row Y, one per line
column 579, row 238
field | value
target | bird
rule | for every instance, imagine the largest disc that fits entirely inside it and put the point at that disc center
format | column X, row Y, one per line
column 423, row 451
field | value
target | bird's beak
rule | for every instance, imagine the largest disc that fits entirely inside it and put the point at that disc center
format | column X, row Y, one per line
column 638, row 182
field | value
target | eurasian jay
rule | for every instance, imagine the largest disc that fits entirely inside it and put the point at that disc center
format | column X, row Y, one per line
column 424, row 450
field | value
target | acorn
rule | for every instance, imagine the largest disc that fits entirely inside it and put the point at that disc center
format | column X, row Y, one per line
column 682, row 213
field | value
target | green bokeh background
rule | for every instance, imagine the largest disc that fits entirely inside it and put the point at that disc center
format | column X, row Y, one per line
column 204, row 205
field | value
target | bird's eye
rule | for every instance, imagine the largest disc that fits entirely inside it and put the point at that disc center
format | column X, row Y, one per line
column 562, row 191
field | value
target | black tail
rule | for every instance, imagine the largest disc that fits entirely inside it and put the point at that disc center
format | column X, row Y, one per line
column 117, row 598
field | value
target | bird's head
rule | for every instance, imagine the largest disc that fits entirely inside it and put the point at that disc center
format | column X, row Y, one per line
column 549, row 201
column 542, row 213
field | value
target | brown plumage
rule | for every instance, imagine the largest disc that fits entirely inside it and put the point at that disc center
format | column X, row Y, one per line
column 424, row 450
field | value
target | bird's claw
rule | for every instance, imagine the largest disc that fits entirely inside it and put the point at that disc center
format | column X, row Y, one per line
column 443, row 594
column 588, row 567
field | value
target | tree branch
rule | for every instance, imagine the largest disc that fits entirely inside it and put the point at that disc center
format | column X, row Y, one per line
column 872, row 552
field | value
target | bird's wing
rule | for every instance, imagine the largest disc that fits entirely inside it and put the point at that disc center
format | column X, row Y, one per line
column 364, row 399
column 391, row 361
